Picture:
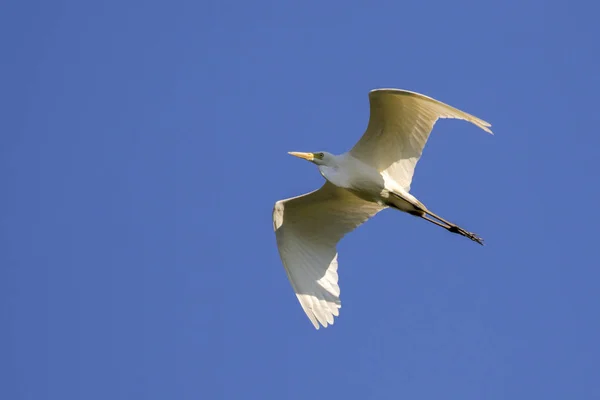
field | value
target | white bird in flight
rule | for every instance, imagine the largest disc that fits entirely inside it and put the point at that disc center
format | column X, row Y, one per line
column 374, row 175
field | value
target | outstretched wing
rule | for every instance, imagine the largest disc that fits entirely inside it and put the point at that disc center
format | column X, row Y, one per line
column 307, row 229
column 399, row 126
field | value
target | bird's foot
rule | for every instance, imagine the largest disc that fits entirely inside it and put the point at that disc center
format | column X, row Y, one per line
column 474, row 237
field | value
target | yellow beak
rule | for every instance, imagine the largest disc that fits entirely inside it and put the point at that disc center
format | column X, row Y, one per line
column 306, row 156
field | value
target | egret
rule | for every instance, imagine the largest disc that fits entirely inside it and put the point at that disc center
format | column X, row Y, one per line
column 375, row 174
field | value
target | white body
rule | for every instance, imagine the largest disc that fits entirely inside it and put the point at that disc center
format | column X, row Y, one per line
column 366, row 182
column 375, row 174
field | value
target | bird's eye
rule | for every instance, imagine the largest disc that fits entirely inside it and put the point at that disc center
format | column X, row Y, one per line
column 321, row 155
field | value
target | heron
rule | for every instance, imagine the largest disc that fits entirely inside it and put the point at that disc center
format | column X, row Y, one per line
column 374, row 175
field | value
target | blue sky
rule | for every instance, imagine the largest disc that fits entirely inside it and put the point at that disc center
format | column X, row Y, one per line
column 144, row 145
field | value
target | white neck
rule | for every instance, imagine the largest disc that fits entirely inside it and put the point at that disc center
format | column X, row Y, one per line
column 335, row 173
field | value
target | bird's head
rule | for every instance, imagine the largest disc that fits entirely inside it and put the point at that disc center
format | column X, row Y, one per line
column 320, row 158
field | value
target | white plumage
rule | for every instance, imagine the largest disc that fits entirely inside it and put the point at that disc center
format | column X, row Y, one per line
column 374, row 175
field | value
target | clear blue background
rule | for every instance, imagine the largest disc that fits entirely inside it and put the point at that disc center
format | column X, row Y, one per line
column 143, row 145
